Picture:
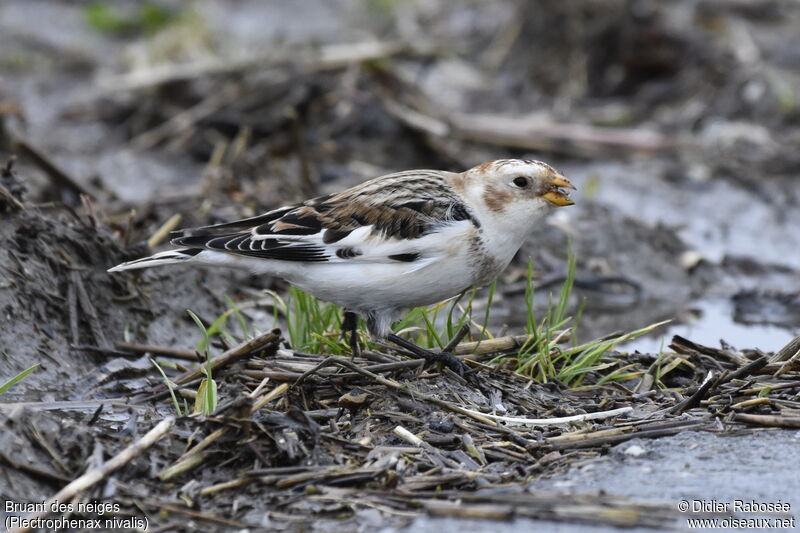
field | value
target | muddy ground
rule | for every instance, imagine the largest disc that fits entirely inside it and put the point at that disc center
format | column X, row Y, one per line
column 678, row 123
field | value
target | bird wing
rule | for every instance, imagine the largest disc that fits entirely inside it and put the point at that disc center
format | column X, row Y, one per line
column 380, row 220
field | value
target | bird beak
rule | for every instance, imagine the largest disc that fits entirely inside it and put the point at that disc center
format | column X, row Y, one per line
column 554, row 194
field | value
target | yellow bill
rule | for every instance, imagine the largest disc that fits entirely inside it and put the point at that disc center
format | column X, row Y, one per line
column 556, row 196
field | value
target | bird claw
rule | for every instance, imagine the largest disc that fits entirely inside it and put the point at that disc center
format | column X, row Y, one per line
column 449, row 360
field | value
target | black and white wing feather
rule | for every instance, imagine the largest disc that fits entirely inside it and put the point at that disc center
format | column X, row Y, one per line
column 380, row 220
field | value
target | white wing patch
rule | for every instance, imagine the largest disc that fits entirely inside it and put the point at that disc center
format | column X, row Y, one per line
column 363, row 245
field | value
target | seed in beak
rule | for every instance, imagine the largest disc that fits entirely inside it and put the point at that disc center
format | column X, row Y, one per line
column 558, row 198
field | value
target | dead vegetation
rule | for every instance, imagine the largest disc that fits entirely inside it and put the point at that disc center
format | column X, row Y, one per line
column 330, row 436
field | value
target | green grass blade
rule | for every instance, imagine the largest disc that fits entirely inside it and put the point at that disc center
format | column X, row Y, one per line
column 205, row 341
column 169, row 386
column 19, row 377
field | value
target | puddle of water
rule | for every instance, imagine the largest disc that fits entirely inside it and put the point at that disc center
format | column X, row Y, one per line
column 711, row 321
column 717, row 218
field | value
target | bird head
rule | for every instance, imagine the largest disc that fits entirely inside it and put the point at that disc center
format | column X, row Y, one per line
column 518, row 184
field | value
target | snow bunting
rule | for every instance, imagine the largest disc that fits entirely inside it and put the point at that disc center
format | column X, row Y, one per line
column 398, row 241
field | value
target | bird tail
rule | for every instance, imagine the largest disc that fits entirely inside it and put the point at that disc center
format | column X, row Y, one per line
column 162, row 258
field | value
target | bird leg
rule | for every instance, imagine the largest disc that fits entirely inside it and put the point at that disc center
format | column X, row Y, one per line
column 450, row 361
column 350, row 325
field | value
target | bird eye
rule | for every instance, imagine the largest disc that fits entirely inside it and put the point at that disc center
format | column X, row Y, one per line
column 521, row 182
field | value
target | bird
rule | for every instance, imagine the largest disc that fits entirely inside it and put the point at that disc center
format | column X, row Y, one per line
column 398, row 241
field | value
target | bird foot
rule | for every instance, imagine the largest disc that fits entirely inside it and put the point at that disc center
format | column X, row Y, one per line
column 447, row 359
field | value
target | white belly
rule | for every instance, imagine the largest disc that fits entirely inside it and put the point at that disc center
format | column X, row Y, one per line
column 374, row 282
column 383, row 286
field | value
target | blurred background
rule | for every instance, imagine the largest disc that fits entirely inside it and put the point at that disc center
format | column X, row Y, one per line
column 678, row 122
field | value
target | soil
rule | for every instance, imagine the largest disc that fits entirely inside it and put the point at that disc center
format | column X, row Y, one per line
column 689, row 215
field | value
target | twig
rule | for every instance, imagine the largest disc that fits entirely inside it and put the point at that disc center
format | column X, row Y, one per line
column 790, row 354
column 407, row 436
column 96, row 475
column 225, row 485
column 237, row 352
column 50, row 477
column 500, row 344
column 767, row 420
column 590, row 441
column 6, row 194
column 162, row 232
column 471, row 511
column 197, row 515
column 530, row 134
column 694, row 399
column 751, row 402
column 687, row 347
column 179, row 467
column 572, row 139
column 789, row 351
column 72, row 312
column 186, row 119
column 556, row 421
column 746, row 370
column 434, row 454
column 59, row 176
column 323, row 58
column 460, row 334
column 188, row 355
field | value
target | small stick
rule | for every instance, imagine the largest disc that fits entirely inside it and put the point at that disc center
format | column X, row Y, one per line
column 5, row 193
column 383, row 367
column 472, row 511
column 694, row 399
column 554, row 421
column 572, row 139
column 576, row 436
column 750, row 368
column 758, row 390
column 180, row 467
column 225, row 485
column 224, row 359
column 197, row 515
column 502, row 344
column 162, row 232
column 56, row 173
column 767, row 420
column 616, row 439
column 100, row 473
column 789, row 351
column 238, row 351
column 186, row 119
column 791, row 360
column 188, row 355
column 409, row 437
column 460, row 334
column 412, row 439
column 751, row 402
